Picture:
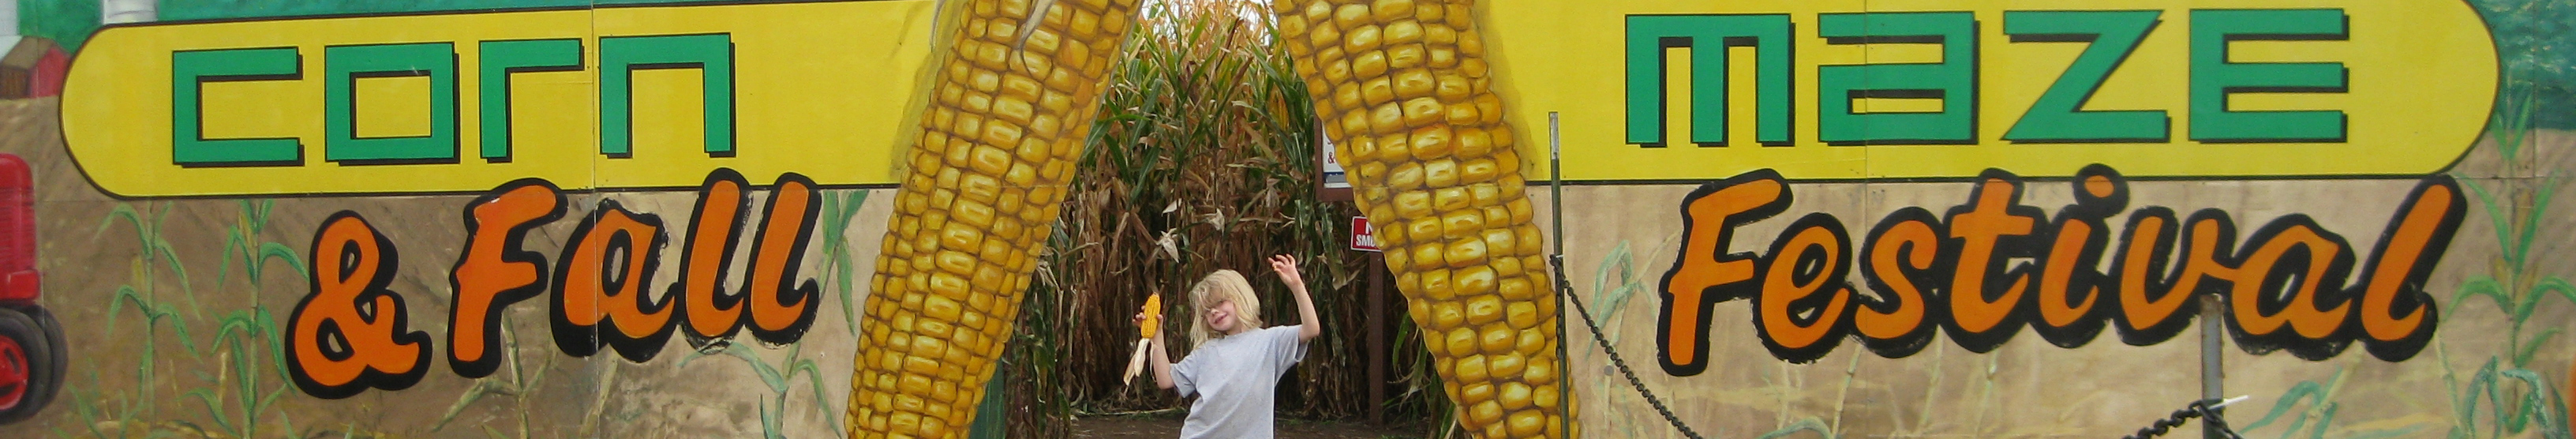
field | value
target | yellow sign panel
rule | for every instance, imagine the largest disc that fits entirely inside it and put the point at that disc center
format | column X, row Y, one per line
column 1842, row 89
column 627, row 97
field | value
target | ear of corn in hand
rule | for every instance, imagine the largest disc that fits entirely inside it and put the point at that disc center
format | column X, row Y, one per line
column 1145, row 330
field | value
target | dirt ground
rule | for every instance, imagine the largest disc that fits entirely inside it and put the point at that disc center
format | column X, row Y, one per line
column 1159, row 427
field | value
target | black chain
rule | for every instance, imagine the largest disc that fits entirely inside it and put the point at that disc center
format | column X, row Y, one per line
column 2198, row 409
column 1567, row 290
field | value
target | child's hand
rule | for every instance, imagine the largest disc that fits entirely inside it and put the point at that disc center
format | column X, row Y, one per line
column 1150, row 320
column 1307, row 327
column 1287, row 267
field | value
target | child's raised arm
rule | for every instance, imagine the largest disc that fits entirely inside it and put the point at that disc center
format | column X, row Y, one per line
column 1309, row 327
column 1162, row 365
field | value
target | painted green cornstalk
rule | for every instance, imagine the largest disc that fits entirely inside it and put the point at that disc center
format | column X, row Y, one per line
column 841, row 264
column 1613, row 283
column 249, row 375
column 2319, row 415
column 244, row 337
column 518, row 385
column 238, row 360
column 2516, row 203
column 779, row 378
column 143, row 292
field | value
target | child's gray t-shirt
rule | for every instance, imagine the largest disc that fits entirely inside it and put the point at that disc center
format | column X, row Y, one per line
column 1236, row 379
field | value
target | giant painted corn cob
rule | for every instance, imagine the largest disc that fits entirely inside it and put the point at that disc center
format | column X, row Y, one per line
column 1012, row 97
column 1403, row 89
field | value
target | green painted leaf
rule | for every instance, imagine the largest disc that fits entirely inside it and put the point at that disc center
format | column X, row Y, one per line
column 2324, row 419
column 2534, row 399
column 2556, row 285
column 272, row 396
column 2557, row 427
column 2303, row 391
column 2503, row 223
column 121, row 212
column 2532, row 347
column 2520, row 251
column 2480, row 384
column 480, row 389
column 170, row 254
column 822, row 402
column 1611, row 301
column 844, row 275
column 768, row 375
column 214, row 408
column 278, row 251
column 115, row 302
column 769, row 422
column 1808, row 424
column 234, row 248
column 2539, row 211
column 2480, row 285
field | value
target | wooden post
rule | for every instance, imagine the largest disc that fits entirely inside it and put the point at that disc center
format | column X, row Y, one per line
column 1377, row 354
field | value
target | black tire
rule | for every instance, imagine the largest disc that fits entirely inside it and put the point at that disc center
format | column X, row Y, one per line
column 42, row 377
column 61, row 359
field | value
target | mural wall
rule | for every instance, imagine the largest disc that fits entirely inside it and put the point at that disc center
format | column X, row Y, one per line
column 447, row 221
column 1929, row 218
column 2016, row 219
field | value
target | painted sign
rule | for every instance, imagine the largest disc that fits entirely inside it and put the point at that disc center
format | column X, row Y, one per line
column 1363, row 237
column 2290, row 284
column 1894, row 218
column 611, row 98
column 1845, row 90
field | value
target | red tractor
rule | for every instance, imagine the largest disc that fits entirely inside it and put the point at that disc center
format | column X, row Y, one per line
column 32, row 357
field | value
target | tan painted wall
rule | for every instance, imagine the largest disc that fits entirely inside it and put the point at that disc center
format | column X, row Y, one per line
column 92, row 254
column 2027, row 387
column 127, row 275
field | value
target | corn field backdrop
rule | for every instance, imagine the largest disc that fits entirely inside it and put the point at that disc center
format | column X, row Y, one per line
column 1205, row 157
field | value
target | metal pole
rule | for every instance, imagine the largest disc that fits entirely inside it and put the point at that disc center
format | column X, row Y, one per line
column 2213, row 376
column 1556, row 213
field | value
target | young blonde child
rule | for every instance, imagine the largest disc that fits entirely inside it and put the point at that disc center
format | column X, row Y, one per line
column 1235, row 370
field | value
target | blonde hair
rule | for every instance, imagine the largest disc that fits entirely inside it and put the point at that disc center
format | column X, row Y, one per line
column 1220, row 287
